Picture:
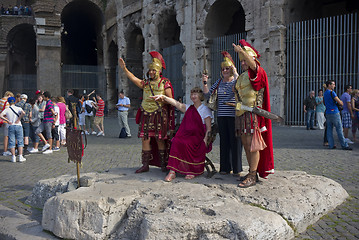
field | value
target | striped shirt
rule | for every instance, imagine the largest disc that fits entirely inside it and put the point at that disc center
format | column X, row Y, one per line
column 47, row 113
column 224, row 92
column 2, row 102
column 101, row 108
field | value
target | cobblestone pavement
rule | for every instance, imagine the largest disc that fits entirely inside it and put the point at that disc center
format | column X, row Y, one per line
column 294, row 149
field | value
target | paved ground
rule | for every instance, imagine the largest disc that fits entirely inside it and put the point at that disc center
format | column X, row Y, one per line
column 294, row 149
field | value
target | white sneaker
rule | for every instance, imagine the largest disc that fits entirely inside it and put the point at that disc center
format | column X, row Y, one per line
column 99, row 134
column 45, row 147
column 21, row 158
column 94, row 133
column 86, row 132
column 48, row 151
column 349, row 141
column 13, row 159
column 7, row 153
column 34, row 150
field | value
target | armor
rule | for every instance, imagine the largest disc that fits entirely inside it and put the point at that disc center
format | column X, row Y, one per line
column 248, row 96
column 158, row 88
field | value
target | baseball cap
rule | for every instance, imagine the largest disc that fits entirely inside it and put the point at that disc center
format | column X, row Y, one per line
column 23, row 96
column 11, row 100
column 38, row 92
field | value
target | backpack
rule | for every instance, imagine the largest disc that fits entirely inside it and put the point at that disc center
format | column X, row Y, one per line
column 88, row 108
column 123, row 133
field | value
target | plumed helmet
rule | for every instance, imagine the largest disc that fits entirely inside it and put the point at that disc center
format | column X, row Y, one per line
column 227, row 60
column 251, row 51
column 157, row 62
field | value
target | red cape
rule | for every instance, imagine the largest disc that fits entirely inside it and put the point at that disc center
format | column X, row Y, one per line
column 266, row 160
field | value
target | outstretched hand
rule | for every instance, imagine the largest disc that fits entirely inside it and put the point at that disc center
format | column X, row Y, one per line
column 237, row 48
column 122, row 63
column 158, row 97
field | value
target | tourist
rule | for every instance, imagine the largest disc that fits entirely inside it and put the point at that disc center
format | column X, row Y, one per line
column 123, row 105
column 3, row 105
column 320, row 109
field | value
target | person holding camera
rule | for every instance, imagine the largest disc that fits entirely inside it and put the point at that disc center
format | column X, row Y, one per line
column 332, row 102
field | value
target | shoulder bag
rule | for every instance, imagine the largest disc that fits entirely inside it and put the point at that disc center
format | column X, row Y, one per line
column 212, row 102
column 68, row 114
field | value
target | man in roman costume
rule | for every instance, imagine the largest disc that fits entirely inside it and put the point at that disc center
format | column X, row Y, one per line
column 252, row 91
column 155, row 119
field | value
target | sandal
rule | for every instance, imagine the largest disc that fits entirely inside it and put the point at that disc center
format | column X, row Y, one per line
column 170, row 176
column 249, row 181
column 241, row 179
column 189, row 177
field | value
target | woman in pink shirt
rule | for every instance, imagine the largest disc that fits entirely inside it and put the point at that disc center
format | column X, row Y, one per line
column 62, row 106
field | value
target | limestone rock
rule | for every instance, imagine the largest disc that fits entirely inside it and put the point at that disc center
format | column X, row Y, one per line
column 124, row 205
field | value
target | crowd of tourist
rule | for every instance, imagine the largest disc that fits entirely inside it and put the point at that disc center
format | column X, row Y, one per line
column 43, row 119
column 16, row 10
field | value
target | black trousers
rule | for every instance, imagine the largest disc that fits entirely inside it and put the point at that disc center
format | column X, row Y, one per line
column 230, row 146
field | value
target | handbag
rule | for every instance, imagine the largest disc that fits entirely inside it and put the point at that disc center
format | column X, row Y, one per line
column 68, row 114
column 257, row 143
column 1, row 120
column 212, row 102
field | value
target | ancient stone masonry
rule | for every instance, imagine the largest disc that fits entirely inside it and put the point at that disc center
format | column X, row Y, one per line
column 123, row 205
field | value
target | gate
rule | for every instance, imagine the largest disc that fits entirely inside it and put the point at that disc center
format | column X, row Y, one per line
column 84, row 79
column 173, row 59
column 320, row 50
column 218, row 45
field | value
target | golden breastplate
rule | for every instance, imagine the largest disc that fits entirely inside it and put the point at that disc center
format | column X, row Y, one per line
column 246, row 92
column 148, row 104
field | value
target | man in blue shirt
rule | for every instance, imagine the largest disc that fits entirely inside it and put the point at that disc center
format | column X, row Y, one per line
column 122, row 106
column 333, row 117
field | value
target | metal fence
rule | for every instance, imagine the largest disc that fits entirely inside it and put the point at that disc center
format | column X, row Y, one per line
column 320, row 50
column 218, row 45
column 84, row 78
column 22, row 83
column 173, row 59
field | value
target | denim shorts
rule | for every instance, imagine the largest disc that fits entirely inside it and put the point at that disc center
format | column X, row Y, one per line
column 26, row 127
column 33, row 136
column 47, row 126
column 16, row 133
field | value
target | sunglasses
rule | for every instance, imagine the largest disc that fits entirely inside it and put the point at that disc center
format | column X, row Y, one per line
column 227, row 68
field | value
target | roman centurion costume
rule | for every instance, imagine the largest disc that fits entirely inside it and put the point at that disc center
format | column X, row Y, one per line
column 252, row 91
column 155, row 119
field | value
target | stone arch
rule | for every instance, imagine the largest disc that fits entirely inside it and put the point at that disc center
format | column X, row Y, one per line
column 223, row 20
column 82, row 33
column 21, row 42
column 306, row 10
column 168, row 29
column 134, row 61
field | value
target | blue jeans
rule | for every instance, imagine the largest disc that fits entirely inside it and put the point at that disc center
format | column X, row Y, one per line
column 334, row 120
column 16, row 133
column 310, row 118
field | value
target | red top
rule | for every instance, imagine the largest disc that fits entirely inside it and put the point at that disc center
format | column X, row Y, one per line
column 101, row 108
column 259, row 80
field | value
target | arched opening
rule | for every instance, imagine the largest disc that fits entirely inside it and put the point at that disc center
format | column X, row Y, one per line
column 135, row 48
column 172, row 50
column 81, row 36
column 223, row 20
column 82, row 48
column 21, row 42
column 299, row 10
column 223, row 26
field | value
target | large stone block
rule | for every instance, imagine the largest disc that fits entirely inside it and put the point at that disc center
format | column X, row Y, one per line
column 124, row 205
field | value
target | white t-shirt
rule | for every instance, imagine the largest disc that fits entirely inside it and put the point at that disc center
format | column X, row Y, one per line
column 9, row 114
column 203, row 111
column 88, row 102
column 57, row 110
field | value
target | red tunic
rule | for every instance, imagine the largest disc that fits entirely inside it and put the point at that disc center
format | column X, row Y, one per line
column 188, row 150
column 259, row 80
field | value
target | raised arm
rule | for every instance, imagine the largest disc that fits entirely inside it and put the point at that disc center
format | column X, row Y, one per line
column 138, row 82
column 169, row 100
column 249, row 60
